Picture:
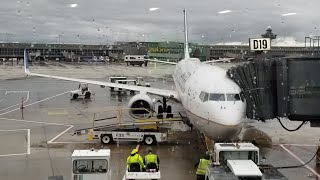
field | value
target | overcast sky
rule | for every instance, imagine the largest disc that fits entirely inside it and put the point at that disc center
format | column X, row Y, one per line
column 106, row 21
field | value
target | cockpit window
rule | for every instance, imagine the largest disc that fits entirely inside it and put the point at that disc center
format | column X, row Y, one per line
column 216, row 97
column 204, row 96
column 233, row 97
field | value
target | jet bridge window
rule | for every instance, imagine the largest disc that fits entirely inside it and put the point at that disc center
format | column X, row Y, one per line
column 216, row 97
column 84, row 166
column 233, row 97
column 204, row 96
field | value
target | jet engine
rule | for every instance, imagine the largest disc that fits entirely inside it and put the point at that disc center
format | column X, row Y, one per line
column 141, row 106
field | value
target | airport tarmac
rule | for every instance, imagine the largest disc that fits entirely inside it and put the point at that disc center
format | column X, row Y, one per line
column 37, row 143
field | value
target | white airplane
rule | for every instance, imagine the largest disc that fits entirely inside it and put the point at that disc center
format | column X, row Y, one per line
column 211, row 100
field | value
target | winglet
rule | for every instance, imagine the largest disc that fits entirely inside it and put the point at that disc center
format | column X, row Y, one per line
column 186, row 46
column 25, row 62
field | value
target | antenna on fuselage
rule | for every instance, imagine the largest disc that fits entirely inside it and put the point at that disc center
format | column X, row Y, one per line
column 186, row 46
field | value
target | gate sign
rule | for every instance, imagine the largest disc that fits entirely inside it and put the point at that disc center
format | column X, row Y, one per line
column 260, row 44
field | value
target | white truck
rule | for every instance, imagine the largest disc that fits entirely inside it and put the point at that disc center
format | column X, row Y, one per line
column 82, row 91
column 135, row 60
column 91, row 164
column 125, row 80
column 235, row 161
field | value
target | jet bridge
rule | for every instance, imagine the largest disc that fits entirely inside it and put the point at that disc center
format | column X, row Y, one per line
column 282, row 87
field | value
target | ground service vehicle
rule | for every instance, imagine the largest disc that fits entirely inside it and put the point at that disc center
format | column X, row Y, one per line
column 82, row 91
column 145, row 175
column 149, row 131
column 234, row 161
column 148, row 137
column 125, row 80
column 91, row 164
column 134, row 60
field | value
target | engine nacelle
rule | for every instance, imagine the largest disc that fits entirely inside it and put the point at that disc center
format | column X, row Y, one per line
column 141, row 106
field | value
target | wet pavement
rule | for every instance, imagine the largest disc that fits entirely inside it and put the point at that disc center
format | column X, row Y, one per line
column 50, row 116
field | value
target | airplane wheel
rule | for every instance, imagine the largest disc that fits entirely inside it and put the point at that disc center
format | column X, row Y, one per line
column 160, row 112
column 169, row 112
column 87, row 95
column 149, row 140
column 75, row 96
column 106, row 139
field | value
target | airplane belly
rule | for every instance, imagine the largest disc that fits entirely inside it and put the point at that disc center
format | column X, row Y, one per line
column 213, row 130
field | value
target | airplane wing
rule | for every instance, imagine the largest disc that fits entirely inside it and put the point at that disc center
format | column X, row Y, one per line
column 159, row 61
column 171, row 94
column 218, row 60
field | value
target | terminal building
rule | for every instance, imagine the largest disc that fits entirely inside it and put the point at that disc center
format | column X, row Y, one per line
column 71, row 52
column 172, row 51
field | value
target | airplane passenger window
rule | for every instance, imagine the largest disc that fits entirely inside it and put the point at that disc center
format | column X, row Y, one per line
column 216, row 97
column 233, row 97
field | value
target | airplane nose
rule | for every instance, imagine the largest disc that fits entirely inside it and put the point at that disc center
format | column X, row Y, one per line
column 230, row 114
column 233, row 117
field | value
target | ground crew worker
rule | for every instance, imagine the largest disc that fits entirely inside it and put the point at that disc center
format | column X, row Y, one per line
column 136, row 159
column 201, row 167
column 151, row 160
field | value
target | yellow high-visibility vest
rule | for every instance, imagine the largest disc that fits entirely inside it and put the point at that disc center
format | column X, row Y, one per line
column 201, row 170
column 135, row 159
column 151, row 158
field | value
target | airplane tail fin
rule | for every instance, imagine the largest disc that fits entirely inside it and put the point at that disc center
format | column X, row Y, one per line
column 25, row 62
column 186, row 45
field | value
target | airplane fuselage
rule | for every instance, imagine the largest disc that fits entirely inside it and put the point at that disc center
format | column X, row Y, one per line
column 212, row 100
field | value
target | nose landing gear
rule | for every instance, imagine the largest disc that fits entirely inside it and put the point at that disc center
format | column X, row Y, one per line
column 164, row 108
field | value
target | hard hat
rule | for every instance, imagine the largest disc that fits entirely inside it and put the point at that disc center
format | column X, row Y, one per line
column 134, row 151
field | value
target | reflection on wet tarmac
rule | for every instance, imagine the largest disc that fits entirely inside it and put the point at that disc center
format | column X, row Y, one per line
column 257, row 137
